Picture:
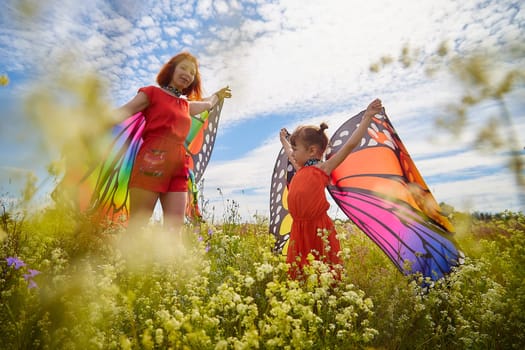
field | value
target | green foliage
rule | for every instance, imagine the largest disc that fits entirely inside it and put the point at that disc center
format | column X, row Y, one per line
column 221, row 287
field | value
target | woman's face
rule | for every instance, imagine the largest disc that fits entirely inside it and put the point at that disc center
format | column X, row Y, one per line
column 183, row 75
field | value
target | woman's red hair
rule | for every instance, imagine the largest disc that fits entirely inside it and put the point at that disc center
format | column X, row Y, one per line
column 194, row 91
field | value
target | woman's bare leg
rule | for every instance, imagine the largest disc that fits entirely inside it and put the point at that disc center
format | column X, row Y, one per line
column 141, row 206
column 174, row 208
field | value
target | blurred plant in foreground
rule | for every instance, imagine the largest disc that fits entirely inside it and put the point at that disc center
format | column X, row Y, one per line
column 71, row 111
column 4, row 80
column 485, row 76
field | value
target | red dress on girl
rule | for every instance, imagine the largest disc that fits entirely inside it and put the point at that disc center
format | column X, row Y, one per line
column 161, row 164
column 308, row 207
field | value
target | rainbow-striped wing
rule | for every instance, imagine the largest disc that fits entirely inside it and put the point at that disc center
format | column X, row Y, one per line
column 108, row 184
column 199, row 144
column 201, row 139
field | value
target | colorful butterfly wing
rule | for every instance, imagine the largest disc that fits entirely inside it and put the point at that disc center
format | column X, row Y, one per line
column 109, row 182
column 380, row 189
column 280, row 218
column 199, row 144
column 201, row 139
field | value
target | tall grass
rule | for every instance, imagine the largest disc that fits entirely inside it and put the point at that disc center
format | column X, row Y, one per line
column 66, row 284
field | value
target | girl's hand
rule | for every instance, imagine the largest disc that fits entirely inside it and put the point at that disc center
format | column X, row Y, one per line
column 223, row 93
column 284, row 134
column 374, row 108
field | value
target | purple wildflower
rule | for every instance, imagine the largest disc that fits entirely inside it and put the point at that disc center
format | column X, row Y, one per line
column 32, row 273
column 15, row 261
column 17, row 264
column 32, row 284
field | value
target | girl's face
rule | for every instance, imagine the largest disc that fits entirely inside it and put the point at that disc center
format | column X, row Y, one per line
column 183, row 74
column 301, row 153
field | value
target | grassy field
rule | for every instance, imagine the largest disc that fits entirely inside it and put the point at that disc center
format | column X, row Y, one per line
column 68, row 284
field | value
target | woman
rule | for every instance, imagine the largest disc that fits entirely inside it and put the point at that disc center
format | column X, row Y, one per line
column 160, row 170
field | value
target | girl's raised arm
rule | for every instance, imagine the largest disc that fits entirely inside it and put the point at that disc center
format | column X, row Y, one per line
column 283, row 136
column 329, row 165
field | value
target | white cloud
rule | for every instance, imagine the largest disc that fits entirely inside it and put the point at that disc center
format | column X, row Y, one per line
column 249, row 174
column 289, row 57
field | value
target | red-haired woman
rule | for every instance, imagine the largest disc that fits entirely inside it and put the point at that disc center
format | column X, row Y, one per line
column 160, row 170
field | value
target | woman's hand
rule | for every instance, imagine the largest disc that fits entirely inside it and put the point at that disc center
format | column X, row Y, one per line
column 223, row 93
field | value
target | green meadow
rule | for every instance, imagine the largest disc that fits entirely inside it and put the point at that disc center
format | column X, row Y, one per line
column 66, row 283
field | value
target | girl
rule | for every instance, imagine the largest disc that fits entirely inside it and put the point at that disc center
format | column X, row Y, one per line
column 313, row 231
column 160, row 170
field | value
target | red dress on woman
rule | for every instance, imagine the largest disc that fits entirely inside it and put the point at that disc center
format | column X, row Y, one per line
column 161, row 164
column 308, row 207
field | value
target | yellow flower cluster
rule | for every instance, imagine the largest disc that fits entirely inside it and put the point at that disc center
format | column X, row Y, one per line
column 4, row 80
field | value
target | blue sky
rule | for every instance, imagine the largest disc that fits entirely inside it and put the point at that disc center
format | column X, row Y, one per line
column 288, row 62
